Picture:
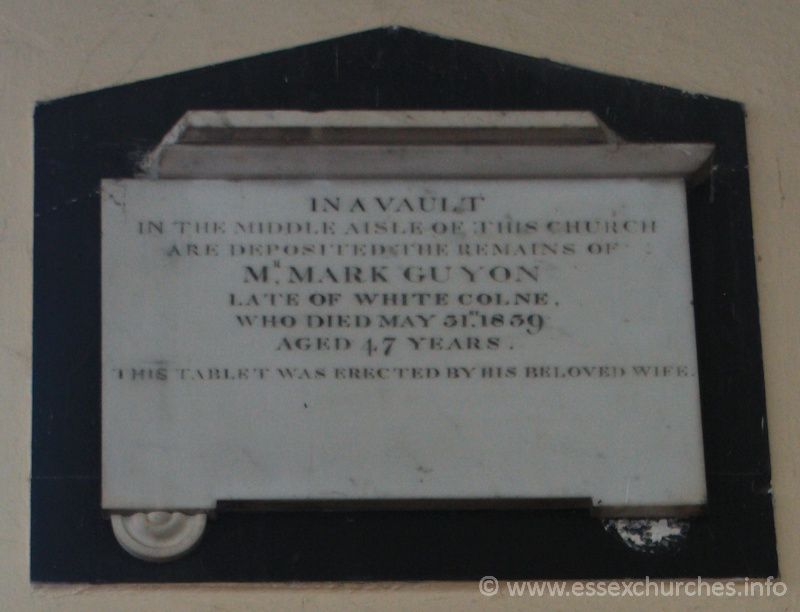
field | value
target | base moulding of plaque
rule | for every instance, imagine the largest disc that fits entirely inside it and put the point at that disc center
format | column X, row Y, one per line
column 398, row 309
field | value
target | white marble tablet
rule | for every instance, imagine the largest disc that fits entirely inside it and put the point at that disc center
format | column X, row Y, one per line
column 398, row 339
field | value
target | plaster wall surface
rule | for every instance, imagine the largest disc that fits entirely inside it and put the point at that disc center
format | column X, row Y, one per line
column 747, row 51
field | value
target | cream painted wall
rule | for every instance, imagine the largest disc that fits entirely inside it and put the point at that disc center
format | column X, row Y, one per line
column 748, row 50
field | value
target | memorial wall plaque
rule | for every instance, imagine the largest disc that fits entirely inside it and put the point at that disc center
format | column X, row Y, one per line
column 471, row 310
column 395, row 345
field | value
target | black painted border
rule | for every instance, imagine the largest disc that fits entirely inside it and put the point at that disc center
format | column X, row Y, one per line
column 82, row 138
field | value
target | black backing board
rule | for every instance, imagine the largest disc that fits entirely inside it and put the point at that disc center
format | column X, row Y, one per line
column 83, row 138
